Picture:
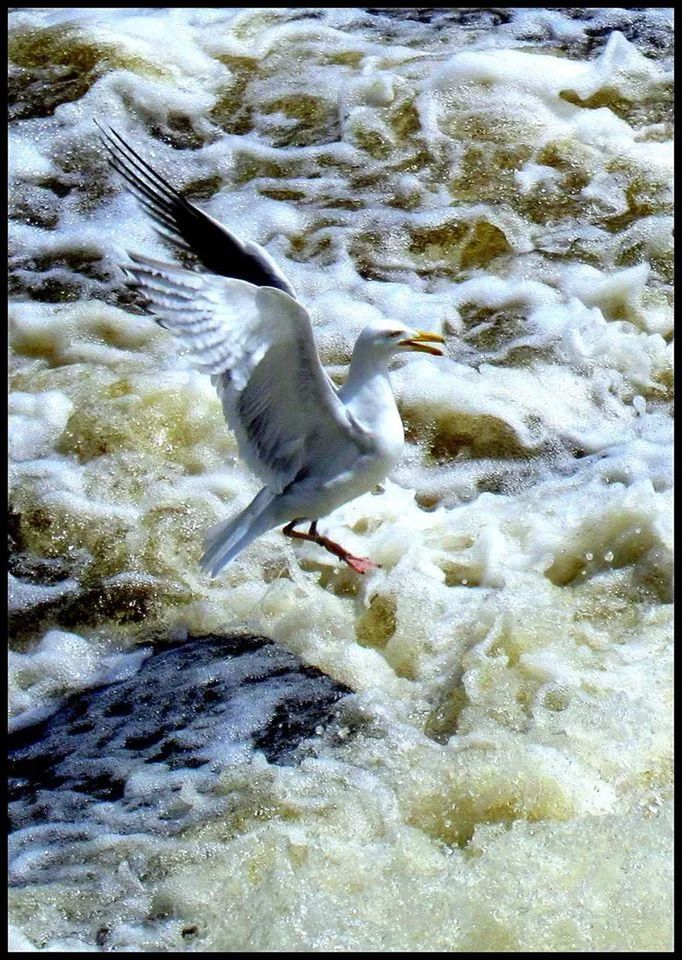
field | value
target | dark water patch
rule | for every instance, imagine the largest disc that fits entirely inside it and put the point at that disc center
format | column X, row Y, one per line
column 578, row 32
column 116, row 757
column 58, row 64
column 648, row 28
column 439, row 18
column 24, row 566
column 128, row 601
column 66, row 275
column 177, row 130
column 34, row 206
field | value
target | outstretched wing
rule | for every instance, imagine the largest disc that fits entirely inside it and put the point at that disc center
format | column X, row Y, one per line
column 219, row 250
column 258, row 344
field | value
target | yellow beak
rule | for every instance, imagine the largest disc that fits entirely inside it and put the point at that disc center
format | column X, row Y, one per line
column 422, row 343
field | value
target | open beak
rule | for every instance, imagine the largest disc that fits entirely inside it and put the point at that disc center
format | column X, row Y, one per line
column 423, row 341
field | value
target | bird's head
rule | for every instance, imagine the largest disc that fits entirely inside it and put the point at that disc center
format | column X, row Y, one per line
column 391, row 336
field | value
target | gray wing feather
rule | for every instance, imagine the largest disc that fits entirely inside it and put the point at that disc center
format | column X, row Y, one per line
column 258, row 345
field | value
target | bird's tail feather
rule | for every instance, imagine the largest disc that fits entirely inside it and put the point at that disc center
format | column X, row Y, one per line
column 229, row 537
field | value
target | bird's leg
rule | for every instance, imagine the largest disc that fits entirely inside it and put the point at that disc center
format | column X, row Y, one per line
column 359, row 564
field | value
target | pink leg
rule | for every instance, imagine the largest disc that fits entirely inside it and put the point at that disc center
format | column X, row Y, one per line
column 359, row 564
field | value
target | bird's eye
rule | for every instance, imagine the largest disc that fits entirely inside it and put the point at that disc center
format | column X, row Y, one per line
column 395, row 333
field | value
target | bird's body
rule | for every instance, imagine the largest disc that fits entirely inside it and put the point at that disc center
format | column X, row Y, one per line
column 314, row 447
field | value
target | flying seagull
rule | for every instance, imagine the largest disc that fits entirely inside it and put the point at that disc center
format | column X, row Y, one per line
column 314, row 446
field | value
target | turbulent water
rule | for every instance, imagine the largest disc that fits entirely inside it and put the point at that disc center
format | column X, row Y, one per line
column 503, row 777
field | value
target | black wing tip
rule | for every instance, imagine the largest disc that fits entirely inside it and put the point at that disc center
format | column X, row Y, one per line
column 106, row 135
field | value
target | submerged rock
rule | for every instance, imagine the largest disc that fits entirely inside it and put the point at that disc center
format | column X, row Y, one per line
column 145, row 754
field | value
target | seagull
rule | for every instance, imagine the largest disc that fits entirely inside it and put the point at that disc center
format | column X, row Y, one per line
column 314, row 447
